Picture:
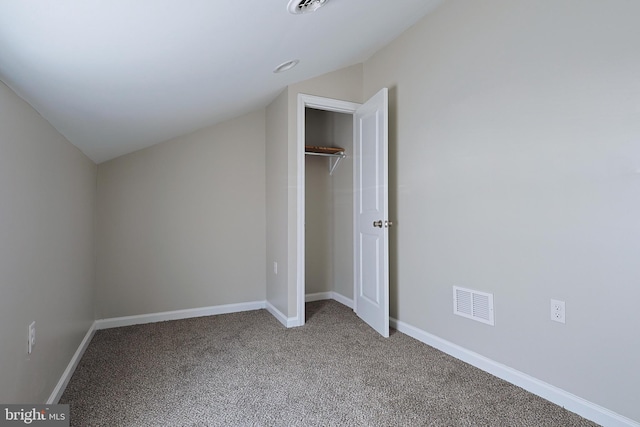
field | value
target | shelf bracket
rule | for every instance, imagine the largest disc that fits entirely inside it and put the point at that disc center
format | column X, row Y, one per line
column 333, row 162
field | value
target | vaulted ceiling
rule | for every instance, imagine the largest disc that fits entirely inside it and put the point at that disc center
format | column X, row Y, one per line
column 115, row 76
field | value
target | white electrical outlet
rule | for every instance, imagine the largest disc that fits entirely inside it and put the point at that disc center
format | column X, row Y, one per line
column 32, row 336
column 558, row 311
column 275, row 267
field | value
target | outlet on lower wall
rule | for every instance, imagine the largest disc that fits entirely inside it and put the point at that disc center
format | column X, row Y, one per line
column 558, row 311
column 275, row 267
column 32, row 336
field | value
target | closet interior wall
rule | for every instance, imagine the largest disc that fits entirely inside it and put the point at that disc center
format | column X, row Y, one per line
column 329, row 206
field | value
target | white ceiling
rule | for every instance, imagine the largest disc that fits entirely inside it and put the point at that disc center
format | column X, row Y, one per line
column 115, row 76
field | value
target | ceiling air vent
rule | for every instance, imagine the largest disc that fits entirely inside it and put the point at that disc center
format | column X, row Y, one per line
column 304, row 6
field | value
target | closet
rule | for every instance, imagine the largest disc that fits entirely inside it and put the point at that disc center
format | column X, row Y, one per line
column 328, row 205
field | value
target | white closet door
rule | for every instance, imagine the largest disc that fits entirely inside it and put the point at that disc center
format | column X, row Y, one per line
column 371, row 213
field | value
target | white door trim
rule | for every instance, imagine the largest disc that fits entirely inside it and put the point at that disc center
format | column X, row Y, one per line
column 319, row 103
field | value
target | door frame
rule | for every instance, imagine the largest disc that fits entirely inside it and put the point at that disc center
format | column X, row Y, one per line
column 319, row 103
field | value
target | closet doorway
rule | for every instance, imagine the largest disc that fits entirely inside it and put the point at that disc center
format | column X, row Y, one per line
column 328, row 206
column 342, row 200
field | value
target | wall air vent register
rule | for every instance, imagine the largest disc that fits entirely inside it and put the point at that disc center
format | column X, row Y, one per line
column 474, row 305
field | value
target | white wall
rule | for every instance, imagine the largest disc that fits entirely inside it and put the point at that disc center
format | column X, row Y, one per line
column 515, row 163
column 276, row 181
column 182, row 224
column 47, row 204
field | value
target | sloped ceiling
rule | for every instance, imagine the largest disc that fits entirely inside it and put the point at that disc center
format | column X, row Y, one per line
column 115, row 76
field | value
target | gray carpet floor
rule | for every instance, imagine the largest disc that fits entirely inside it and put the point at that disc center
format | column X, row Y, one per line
column 246, row 369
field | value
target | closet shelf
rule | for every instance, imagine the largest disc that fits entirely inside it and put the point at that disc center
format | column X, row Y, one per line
column 335, row 154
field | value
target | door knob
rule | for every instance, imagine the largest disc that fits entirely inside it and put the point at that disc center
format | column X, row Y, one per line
column 388, row 224
column 377, row 223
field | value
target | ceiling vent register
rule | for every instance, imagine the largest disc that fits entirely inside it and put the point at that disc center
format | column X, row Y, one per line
column 303, row 6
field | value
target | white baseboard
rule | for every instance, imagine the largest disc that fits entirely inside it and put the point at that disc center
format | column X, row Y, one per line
column 342, row 299
column 329, row 295
column 116, row 322
column 319, row 296
column 288, row 322
column 571, row 402
column 71, row 367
